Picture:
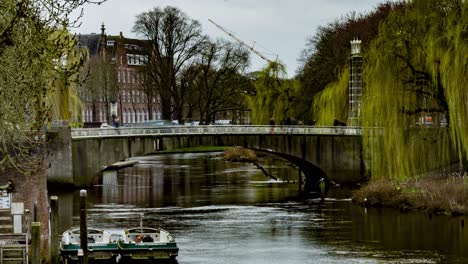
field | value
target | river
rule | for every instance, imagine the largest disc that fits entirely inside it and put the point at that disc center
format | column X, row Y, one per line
column 224, row 212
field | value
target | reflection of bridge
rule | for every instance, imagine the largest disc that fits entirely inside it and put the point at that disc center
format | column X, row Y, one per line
column 80, row 154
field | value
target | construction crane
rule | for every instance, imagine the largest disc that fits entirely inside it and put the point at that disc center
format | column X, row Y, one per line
column 242, row 42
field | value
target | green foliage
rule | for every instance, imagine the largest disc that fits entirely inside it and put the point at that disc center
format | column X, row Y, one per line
column 332, row 103
column 63, row 99
column 34, row 44
column 274, row 95
column 327, row 53
column 417, row 67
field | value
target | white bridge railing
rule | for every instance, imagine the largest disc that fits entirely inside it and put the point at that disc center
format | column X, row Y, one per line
column 79, row 133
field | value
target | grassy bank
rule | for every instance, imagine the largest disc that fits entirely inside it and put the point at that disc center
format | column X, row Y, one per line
column 441, row 195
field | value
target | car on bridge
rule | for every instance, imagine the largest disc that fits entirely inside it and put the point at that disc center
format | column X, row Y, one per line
column 105, row 125
column 155, row 123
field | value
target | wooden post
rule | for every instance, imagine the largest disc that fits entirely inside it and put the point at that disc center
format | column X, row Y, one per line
column 35, row 243
column 35, row 212
column 54, row 224
column 83, row 226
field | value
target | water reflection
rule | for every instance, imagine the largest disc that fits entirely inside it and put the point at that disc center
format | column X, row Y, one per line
column 200, row 179
column 222, row 212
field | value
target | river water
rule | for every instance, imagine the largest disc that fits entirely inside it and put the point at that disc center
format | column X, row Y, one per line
column 224, row 212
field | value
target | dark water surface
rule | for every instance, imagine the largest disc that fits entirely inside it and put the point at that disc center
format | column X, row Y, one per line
column 222, row 212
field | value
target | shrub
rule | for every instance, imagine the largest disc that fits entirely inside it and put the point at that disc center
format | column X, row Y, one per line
column 240, row 154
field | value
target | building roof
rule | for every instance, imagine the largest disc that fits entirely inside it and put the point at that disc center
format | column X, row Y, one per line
column 91, row 41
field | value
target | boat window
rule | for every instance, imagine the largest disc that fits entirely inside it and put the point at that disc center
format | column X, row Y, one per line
column 148, row 239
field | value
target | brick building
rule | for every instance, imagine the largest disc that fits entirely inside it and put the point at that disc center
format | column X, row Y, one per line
column 129, row 104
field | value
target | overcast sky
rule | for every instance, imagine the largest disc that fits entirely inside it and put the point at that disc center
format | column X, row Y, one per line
column 275, row 27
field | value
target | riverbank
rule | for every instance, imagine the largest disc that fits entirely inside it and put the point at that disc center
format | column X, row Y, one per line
column 440, row 194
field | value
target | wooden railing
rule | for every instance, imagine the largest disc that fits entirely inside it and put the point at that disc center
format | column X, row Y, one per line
column 13, row 249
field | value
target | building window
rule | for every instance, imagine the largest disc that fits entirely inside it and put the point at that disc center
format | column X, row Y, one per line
column 118, row 76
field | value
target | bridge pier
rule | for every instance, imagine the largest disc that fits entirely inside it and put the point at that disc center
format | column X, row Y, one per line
column 59, row 153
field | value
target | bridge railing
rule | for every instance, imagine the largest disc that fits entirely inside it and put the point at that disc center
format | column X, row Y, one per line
column 212, row 130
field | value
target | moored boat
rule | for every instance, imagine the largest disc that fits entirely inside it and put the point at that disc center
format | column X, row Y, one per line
column 102, row 246
column 144, row 243
column 133, row 245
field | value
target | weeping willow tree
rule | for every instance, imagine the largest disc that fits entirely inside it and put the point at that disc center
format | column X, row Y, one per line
column 332, row 103
column 415, row 74
column 34, row 43
column 274, row 95
column 63, row 100
column 31, row 53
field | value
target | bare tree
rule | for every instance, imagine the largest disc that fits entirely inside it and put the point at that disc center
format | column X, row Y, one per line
column 219, row 83
column 175, row 41
column 100, row 87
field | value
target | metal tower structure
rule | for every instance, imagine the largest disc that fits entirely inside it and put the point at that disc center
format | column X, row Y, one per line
column 355, row 84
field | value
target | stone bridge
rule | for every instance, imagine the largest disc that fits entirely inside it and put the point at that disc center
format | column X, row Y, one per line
column 78, row 155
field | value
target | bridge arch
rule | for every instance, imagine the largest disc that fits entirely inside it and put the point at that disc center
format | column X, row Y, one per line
column 80, row 154
column 313, row 174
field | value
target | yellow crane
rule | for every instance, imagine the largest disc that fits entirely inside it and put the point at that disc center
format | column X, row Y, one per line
column 243, row 43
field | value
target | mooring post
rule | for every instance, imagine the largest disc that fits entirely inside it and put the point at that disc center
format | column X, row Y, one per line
column 54, row 229
column 35, row 243
column 83, row 226
column 35, row 212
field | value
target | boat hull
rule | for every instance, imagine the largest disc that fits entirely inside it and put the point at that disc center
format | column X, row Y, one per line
column 146, row 251
column 96, row 254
